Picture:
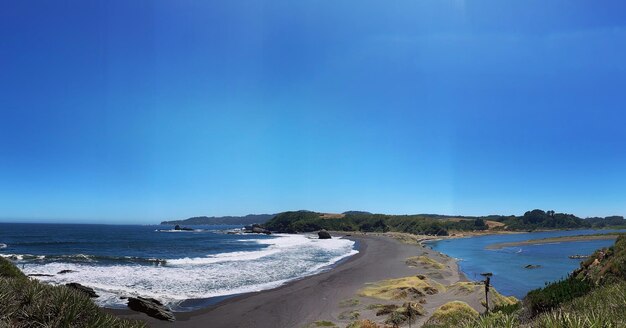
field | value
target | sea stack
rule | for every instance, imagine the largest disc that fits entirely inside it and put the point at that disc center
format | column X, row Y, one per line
column 323, row 234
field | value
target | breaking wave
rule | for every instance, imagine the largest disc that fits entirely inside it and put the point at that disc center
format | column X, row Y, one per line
column 280, row 259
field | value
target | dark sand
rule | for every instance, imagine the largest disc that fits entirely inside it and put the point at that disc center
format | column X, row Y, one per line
column 307, row 300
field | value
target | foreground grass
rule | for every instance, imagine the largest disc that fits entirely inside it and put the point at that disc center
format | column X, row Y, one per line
column 451, row 314
column 603, row 307
column 29, row 303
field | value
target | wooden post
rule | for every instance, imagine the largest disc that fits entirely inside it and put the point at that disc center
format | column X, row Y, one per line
column 487, row 294
column 487, row 276
column 410, row 313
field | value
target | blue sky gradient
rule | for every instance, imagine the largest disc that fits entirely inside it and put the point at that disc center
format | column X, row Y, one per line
column 138, row 111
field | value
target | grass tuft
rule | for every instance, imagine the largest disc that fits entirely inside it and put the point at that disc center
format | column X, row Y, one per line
column 29, row 303
column 425, row 261
column 401, row 289
column 451, row 314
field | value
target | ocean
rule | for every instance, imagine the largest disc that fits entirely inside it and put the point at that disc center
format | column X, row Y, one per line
column 507, row 264
column 180, row 268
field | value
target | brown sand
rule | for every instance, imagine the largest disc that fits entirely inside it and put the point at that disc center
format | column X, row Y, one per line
column 554, row 240
column 324, row 296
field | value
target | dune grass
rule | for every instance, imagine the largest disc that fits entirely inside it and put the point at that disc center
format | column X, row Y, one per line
column 401, row 288
column 465, row 287
column 351, row 302
column 422, row 260
column 451, row 314
column 29, row 303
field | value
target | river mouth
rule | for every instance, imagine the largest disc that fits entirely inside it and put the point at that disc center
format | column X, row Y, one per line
column 511, row 264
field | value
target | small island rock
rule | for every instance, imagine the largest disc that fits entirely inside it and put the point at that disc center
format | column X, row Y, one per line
column 323, row 234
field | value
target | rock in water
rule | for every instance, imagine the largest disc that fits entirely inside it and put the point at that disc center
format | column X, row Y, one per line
column 255, row 228
column 323, row 234
column 87, row 290
column 151, row 307
column 532, row 266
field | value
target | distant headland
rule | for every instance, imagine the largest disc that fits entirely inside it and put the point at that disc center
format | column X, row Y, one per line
column 215, row 220
column 427, row 224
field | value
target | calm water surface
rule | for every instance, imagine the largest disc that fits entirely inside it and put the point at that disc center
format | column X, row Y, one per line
column 507, row 264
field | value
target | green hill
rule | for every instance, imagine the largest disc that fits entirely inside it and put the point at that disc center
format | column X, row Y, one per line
column 431, row 224
column 215, row 220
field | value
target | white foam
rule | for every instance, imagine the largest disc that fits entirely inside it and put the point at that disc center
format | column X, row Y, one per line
column 173, row 230
column 3, row 245
column 224, row 257
column 285, row 258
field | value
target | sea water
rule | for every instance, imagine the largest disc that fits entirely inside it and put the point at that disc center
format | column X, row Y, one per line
column 510, row 277
column 170, row 265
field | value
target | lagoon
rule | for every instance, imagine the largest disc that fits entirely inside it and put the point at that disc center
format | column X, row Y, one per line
column 510, row 277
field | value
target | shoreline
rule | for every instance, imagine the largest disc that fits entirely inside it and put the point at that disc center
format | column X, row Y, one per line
column 564, row 239
column 323, row 296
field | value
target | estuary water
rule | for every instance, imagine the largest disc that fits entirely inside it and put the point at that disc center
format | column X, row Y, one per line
column 510, row 277
column 170, row 265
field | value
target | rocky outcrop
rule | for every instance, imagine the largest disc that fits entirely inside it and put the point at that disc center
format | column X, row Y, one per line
column 177, row 227
column 151, row 307
column 87, row 290
column 255, row 228
column 532, row 266
column 66, row 271
column 323, row 234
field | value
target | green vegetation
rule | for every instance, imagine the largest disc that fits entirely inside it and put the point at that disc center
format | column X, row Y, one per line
column 603, row 307
column 451, row 314
column 29, row 303
column 556, row 293
column 204, row 220
column 429, row 224
column 10, row 271
column 305, row 221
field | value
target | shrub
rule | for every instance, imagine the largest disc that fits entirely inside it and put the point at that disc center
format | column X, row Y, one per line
column 8, row 270
column 603, row 307
column 556, row 293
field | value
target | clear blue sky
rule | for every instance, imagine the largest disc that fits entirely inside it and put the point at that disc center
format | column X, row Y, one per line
column 138, row 111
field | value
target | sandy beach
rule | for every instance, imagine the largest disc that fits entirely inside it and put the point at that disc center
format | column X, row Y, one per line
column 554, row 240
column 350, row 290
